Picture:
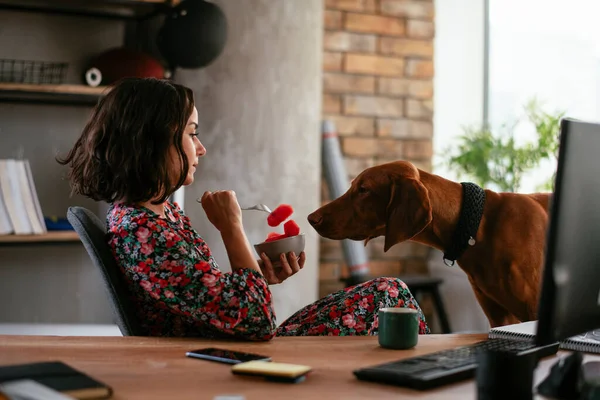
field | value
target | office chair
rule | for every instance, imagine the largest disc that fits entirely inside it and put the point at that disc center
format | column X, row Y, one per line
column 92, row 233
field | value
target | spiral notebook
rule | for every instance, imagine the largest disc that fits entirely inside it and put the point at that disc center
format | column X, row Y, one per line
column 586, row 343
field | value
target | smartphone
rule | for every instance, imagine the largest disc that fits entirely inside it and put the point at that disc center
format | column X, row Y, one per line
column 226, row 356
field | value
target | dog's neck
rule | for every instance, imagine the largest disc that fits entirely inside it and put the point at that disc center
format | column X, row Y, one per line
column 447, row 231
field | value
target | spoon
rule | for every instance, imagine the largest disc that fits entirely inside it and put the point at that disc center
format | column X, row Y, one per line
column 257, row 207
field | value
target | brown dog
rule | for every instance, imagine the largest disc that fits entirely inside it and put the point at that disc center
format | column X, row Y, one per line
column 401, row 202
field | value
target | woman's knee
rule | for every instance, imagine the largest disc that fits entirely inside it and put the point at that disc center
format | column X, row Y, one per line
column 386, row 281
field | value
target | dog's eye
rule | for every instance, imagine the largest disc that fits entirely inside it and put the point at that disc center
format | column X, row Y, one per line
column 362, row 189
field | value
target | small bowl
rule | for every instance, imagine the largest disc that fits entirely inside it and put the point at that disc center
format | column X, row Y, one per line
column 274, row 249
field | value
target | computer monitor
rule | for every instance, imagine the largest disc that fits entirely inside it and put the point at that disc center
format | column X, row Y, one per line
column 569, row 303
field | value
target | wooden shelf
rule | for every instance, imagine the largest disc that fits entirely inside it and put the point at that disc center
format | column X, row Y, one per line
column 52, row 237
column 53, row 94
column 119, row 9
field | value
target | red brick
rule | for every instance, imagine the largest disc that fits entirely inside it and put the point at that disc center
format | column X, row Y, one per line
column 353, row 125
column 424, row 165
column 390, row 148
column 333, row 19
column 404, row 128
column 359, row 147
column 419, row 69
column 408, row 8
column 374, row 24
column 374, row 65
column 332, row 104
column 393, row 86
column 406, row 47
column 354, row 166
column 332, row 61
column 347, row 41
column 419, row 109
column 420, row 29
column 344, row 83
column 417, row 149
column 352, row 5
column 373, row 106
column 421, row 89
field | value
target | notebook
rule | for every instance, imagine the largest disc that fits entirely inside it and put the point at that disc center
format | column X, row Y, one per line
column 586, row 343
column 58, row 376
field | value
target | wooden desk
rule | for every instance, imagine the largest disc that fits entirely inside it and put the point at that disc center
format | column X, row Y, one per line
column 156, row 368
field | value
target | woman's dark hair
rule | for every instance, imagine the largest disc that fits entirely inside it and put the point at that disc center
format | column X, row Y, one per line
column 123, row 151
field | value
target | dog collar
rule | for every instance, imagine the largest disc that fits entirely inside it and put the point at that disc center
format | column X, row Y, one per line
column 471, row 211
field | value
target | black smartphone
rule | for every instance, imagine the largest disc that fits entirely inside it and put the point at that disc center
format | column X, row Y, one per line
column 226, row 356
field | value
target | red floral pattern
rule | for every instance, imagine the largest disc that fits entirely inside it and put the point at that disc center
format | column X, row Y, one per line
column 352, row 311
column 179, row 290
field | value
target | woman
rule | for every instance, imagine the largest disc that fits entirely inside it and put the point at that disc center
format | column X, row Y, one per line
column 139, row 146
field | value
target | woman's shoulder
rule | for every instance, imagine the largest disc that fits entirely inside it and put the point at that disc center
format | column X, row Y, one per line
column 125, row 217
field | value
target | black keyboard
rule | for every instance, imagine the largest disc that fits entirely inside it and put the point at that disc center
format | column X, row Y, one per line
column 446, row 366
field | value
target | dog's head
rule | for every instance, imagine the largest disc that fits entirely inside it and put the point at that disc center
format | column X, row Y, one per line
column 388, row 199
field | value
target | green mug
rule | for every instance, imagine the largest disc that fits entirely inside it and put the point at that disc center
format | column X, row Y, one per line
column 398, row 328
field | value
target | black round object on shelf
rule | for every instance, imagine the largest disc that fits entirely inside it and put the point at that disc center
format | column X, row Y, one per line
column 193, row 34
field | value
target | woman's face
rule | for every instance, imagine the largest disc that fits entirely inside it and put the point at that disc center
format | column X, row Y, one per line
column 192, row 147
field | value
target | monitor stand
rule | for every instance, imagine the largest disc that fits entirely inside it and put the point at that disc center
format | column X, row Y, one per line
column 571, row 378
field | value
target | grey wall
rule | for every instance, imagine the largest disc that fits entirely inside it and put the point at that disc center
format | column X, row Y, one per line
column 259, row 106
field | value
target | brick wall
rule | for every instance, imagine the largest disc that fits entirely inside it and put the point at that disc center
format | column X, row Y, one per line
column 378, row 89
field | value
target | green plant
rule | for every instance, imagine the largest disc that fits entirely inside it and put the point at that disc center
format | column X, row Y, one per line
column 497, row 159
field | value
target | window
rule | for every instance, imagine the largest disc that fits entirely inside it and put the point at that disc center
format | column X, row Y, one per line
column 547, row 49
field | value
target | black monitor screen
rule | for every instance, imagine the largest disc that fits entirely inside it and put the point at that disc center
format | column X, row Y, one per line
column 570, row 298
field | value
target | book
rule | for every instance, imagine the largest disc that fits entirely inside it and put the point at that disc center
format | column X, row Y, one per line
column 35, row 198
column 29, row 196
column 12, row 198
column 586, row 343
column 58, row 376
column 6, row 227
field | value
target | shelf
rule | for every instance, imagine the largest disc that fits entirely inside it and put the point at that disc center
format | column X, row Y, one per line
column 53, row 94
column 119, row 9
column 52, row 237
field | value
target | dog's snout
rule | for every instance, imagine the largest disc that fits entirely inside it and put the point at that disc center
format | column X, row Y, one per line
column 315, row 219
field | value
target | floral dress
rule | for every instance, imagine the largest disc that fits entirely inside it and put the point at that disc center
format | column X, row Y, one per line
column 179, row 290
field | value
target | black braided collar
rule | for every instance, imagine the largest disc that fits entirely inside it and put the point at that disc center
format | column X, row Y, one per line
column 471, row 211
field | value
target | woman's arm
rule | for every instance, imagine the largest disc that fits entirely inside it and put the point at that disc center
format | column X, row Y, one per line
column 238, row 249
column 223, row 211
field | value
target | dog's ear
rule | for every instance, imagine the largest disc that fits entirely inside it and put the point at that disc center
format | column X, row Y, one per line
column 408, row 211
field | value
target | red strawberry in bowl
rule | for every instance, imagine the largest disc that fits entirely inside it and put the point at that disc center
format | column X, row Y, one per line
column 277, row 243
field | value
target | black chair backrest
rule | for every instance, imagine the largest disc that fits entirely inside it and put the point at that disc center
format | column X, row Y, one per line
column 92, row 233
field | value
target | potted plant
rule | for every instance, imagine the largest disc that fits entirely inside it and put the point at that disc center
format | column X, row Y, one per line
column 496, row 159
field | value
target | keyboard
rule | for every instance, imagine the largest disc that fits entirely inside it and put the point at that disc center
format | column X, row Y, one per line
column 446, row 366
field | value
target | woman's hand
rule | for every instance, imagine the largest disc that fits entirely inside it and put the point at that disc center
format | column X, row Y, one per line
column 222, row 210
column 290, row 264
